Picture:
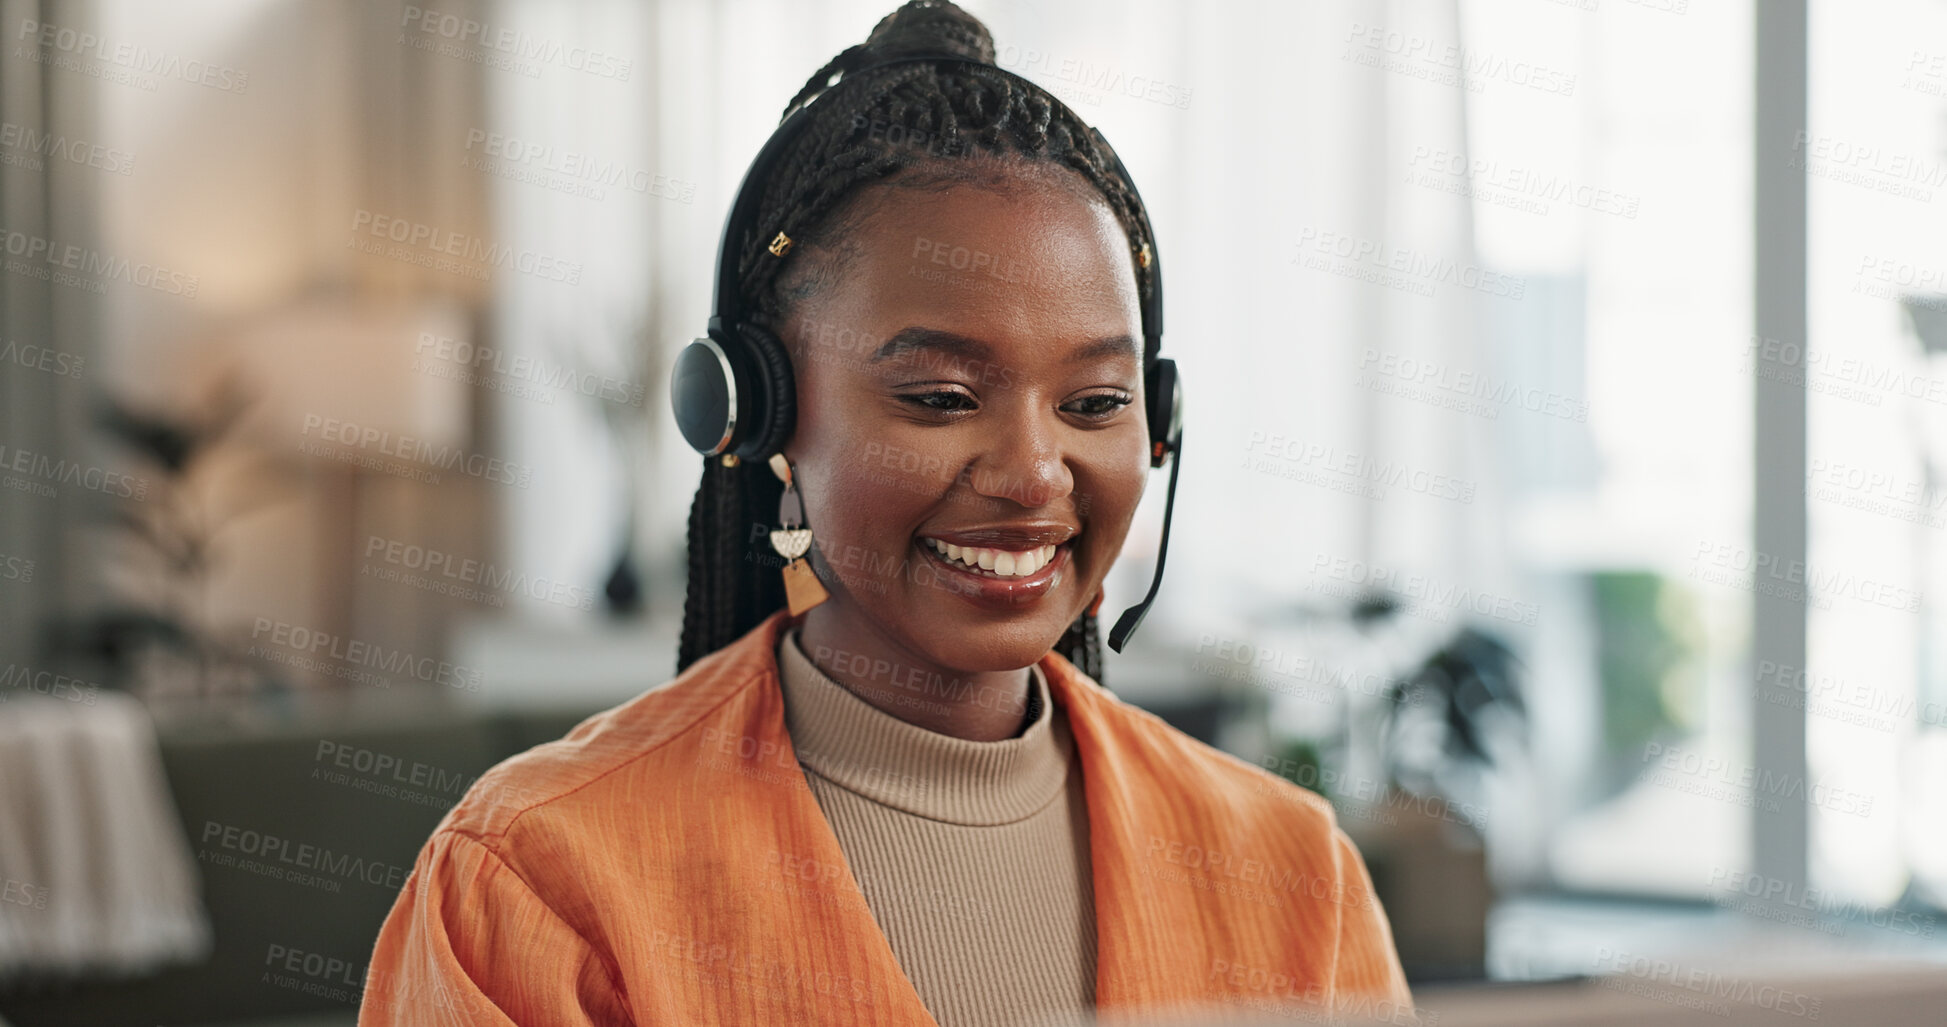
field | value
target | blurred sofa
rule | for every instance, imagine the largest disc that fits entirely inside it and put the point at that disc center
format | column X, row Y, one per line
column 290, row 949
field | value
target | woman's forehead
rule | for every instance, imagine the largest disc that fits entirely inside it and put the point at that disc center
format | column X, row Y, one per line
column 1027, row 256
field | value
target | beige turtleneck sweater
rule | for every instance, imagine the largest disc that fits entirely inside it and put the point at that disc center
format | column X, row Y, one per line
column 973, row 856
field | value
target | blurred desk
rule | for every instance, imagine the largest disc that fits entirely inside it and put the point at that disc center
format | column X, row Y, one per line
column 1855, row 995
column 1544, row 937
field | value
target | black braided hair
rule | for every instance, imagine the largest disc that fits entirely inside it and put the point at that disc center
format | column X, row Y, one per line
column 925, row 125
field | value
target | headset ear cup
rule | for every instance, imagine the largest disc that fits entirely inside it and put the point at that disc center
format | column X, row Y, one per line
column 704, row 393
column 776, row 406
column 1165, row 413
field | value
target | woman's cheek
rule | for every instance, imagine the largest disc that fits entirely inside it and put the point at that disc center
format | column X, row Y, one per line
column 860, row 566
column 863, row 526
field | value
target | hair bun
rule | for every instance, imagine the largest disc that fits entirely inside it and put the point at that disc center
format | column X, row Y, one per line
column 930, row 26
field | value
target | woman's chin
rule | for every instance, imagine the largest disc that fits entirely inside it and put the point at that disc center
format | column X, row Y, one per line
column 974, row 647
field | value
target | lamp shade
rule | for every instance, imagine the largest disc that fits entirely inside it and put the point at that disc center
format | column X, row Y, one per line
column 328, row 370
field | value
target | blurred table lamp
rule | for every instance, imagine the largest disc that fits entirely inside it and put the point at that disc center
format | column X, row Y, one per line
column 350, row 387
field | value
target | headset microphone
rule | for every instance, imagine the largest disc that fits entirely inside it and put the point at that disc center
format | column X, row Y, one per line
column 733, row 391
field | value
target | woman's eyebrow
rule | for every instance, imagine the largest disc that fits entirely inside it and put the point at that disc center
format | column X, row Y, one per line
column 912, row 339
column 1107, row 346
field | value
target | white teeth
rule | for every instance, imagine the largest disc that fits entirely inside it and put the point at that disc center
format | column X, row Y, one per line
column 1002, row 562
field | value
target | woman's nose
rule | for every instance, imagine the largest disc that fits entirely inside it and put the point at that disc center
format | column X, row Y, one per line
column 1025, row 462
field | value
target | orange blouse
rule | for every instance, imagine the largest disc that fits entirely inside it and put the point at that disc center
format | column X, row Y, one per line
column 666, row 863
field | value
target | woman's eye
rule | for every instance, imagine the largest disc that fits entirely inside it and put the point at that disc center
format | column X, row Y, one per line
column 943, row 400
column 948, row 401
column 1100, row 407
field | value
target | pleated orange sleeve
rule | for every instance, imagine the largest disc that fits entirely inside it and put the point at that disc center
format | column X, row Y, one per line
column 470, row 943
column 1369, row 981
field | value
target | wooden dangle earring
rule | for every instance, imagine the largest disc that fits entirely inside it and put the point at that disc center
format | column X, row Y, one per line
column 802, row 589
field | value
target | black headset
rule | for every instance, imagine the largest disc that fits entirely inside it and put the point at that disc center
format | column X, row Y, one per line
column 733, row 391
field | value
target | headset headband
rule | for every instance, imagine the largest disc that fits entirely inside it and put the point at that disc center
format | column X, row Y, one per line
column 726, row 305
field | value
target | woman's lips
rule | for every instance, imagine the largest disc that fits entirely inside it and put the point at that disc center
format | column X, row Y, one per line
column 989, row 589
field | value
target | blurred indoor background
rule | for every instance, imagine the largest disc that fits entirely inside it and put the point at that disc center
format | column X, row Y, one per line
column 1562, row 498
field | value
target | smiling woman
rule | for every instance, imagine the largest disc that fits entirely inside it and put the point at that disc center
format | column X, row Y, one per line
column 1020, row 408
column 887, row 785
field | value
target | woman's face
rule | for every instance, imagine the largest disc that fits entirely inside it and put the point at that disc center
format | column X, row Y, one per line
column 970, row 373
